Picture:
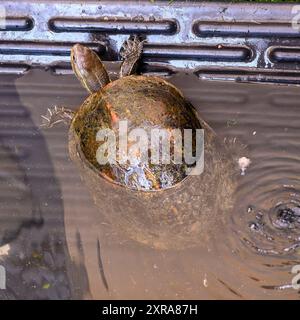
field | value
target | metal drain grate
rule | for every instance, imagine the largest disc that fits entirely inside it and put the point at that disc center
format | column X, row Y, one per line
column 246, row 42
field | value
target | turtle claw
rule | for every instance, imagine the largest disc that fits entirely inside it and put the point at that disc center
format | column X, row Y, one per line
column 57, row 115
column 130, row 53
column 132, row 48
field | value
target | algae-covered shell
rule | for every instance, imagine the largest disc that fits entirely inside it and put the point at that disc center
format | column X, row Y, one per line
column 145, row 103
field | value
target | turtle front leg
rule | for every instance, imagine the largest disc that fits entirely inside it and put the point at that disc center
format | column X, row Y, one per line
column 130, row 52
column 57, row 115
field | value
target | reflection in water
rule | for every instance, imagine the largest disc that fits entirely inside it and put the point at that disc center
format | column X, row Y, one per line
column 250, row 256
column 31, row 227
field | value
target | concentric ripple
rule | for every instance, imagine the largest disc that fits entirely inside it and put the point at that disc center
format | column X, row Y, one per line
column 270, row 208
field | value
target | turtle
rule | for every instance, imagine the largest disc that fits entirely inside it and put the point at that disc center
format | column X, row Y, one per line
column 163, row 205
column 148, row 103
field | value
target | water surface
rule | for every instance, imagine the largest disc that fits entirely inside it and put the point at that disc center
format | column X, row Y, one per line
column 61, row 246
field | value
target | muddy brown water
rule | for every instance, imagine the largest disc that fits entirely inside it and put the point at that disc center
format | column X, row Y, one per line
column 55, row 243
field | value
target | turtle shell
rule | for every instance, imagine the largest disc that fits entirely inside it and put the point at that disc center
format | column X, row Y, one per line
column 145, row 103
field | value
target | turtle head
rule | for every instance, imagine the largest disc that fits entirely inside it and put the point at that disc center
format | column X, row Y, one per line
column 88, row 68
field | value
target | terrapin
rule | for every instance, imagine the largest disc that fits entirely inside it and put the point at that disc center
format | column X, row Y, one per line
column 159, row 204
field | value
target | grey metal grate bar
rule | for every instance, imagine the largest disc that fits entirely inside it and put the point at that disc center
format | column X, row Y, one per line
column 246, row 39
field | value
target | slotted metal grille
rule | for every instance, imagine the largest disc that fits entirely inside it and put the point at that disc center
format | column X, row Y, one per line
column 246, row 42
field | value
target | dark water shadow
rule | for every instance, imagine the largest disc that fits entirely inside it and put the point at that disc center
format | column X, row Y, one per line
column 32, row 229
